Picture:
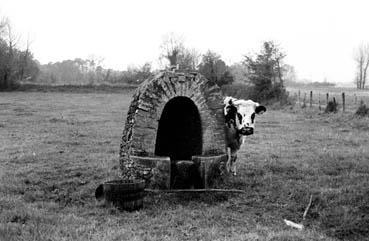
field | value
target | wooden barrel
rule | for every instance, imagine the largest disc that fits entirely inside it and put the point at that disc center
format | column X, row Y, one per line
column 124, row 194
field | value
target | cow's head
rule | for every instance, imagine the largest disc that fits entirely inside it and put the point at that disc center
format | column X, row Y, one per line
column 241, row 114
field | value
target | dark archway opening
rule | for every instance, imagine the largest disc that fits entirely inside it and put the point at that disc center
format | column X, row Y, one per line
column 179, row 133
column 179, row 136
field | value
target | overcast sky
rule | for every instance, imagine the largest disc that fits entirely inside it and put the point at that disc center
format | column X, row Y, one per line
column 319, row 37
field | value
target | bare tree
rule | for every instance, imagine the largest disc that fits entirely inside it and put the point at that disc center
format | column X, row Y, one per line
column 361, row 58
column 15, row 64
column 189, row 59
column 24, row 60
column 3, row 23
column 174, row 51
column 9, row 48
column 171, row 48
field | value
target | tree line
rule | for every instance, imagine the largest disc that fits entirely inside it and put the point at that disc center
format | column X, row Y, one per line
column 90, row 72
column 264, row 71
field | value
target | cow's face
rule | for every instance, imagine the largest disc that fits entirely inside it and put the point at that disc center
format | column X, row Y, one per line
column 242, row 113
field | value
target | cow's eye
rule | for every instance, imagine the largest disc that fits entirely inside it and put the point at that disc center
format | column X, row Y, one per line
column 239, row 117
column 252, row 117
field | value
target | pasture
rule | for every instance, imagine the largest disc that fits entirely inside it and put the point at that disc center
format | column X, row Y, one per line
column 55, row 148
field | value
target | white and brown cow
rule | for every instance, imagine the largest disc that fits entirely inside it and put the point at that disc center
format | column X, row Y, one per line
column 240, row 122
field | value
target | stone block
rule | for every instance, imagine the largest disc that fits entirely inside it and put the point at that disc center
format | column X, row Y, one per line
column 159, row 168
column 211, row 168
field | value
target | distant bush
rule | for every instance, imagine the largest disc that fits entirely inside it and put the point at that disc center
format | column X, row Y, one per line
column 332, row 107
column 362, row 110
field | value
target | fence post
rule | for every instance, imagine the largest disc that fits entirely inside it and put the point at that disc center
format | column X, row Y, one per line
column 327, row 97
column 304, row 104
column 343, row 102
column 355, row 98
column 320, row 107
column 311, row 98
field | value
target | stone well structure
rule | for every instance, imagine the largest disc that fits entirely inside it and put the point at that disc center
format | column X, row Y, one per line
column 174, row 135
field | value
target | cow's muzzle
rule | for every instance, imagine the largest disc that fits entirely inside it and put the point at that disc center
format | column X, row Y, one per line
column 247, row 131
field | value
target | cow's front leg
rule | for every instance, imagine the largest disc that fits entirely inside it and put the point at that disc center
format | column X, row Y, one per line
column 233, row 165
column 229, row 160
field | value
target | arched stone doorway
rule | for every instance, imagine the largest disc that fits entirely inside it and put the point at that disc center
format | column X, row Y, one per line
column 174, row 118
column 179, row 134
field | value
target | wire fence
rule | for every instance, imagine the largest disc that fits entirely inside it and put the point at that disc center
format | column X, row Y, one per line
column 319, row 99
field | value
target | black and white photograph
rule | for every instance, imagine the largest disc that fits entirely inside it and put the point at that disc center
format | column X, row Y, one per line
column 235, row 120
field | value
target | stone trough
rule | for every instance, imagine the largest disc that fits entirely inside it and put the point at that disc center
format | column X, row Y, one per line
column 174, row 136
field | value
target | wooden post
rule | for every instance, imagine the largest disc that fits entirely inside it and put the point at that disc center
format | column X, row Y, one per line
column 355, row 98
column 304, row 103
column 327, row 98
column 311, row 98
column 320, row 107
column 343, row 102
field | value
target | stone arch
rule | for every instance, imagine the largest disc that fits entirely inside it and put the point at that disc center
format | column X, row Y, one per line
column 142, row 124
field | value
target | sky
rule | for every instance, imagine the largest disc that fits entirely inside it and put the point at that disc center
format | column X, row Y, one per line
column 318, row 36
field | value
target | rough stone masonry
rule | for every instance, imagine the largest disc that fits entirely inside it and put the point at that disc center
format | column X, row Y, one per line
column 138, row 150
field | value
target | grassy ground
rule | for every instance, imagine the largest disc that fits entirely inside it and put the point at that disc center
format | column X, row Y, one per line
column 55, row 148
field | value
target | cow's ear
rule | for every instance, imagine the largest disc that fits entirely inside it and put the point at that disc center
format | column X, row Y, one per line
column 260, row 109
column 229, row 100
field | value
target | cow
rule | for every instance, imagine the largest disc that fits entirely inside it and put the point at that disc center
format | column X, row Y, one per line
column 239, row 117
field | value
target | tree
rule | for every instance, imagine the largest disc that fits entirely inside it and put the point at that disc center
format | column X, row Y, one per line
column 361, row 58
column 239, row 73
column 136, row 75
column 215, row 69
column 8, row 42
column 189, row 59
column 171, row 47
column 266, row 72
column 174, row 51
column 289, row 74
column 15, row 64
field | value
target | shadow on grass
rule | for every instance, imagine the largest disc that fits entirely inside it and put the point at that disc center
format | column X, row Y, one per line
column 185, row 199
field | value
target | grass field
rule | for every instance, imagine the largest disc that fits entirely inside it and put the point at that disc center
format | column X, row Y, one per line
column 55, row 148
